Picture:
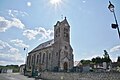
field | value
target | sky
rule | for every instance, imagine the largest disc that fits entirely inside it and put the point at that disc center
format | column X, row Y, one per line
column 28, row 23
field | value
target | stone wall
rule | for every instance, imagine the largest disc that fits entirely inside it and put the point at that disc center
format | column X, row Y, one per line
column 80, row 76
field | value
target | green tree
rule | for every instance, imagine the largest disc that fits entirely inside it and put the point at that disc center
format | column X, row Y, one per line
column 98, row 60
column 118, row 60
column 93, row 60
column 106, row 57
column 85, row 61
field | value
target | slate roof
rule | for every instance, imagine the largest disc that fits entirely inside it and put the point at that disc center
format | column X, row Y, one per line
column 50, row 42
column 44, row 45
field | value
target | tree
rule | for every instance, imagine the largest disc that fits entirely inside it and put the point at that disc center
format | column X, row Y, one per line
column 93, row 60
column 98, row 60
column 85, row 61
column 106, row 57
column 118, row 60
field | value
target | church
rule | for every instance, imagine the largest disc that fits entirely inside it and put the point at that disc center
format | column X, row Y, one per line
column 55, row 54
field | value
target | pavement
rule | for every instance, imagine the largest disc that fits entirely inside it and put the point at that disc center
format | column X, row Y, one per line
column 14, row 76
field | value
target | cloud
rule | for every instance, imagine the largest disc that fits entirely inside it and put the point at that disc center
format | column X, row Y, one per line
column 10, row 13
column 6, row 24
column 19, row 43
column 30, row 34
column 29, row 4
column 4, row 45
column 116, row 48
column 15, row 13
column 9, row 54
column 45, row 34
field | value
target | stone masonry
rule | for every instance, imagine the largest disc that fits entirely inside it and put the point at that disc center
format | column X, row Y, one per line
column 80, row 76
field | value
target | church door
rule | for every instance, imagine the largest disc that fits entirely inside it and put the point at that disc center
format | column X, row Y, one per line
column 65, row 66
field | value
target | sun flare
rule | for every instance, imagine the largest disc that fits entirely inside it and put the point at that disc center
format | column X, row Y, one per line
column 55, row 2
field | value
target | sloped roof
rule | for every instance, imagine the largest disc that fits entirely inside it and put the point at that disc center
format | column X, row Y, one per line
column 77, row 63
column 44, row 45
column 63, row 22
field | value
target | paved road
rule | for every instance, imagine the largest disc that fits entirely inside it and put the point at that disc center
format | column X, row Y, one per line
column 14, row 76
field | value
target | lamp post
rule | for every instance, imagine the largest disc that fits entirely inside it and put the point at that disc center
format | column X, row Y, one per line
column 114, row 26
column 25, row 69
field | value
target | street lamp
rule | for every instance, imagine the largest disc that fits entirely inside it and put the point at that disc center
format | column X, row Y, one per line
column 114, row 26
column 25, row 69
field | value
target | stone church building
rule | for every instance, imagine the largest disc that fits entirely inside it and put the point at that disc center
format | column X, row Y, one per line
column 55, row 54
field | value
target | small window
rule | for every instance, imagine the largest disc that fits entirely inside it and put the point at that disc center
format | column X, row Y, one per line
column 43, row 58
column 56, row 53
column 37, row 59
column 40, row 57
column 49, row 55
column 32, row 59
column 66, row 47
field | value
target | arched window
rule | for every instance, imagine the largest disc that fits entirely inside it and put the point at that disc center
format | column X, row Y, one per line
column 37, row 59
column 32, row 59
column 49, row 56
column 43, row 58
column 66, row 34
column 40, row 58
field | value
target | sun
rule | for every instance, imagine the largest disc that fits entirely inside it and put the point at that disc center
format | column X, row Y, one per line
column 55, row 2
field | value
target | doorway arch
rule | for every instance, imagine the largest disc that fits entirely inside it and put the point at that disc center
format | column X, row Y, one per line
column 65, row 65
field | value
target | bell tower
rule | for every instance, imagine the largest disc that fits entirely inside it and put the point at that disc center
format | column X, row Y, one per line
column 62, row 50
column 62, row 31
